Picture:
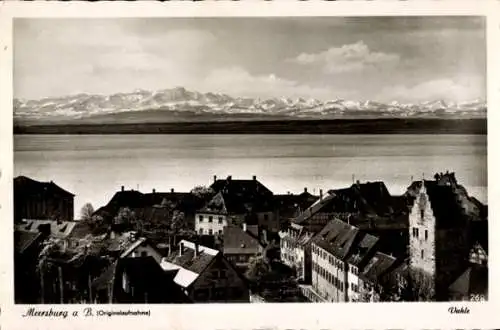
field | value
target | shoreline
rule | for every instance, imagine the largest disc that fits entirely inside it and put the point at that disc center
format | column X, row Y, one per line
column 334, row 126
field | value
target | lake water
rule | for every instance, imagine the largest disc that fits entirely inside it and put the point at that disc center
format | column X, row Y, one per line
column 94, row 167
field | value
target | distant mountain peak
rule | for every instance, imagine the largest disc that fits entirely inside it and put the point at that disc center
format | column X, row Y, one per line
column 182, row 104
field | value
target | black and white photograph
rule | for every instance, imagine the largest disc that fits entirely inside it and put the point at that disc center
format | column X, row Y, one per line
column 196, row 160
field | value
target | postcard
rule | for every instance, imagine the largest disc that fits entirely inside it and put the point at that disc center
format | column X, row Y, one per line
column 249, row 165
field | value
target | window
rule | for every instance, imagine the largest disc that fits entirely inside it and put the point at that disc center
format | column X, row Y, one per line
column 426, row 234
column 352, row 286
column 210, row 232
column 220, row 219
column 422, row 254
column 220, row 232
column 355, row 288
column 266, row 217
column 201, row 231
column 422, row 214
column 210, row 219
column 416, row 232
column 144, row 254
column 200, row 218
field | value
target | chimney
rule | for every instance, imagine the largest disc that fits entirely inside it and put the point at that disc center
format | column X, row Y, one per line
column 254, row 178
column 321, row 194
column 123, row 188
column 172, row 190
column 154, row 190
column 196, row 249
column 229, row 178
column 264, row 236
column 181, row 248
column 305, row 189
column 244, row 226
column 215, row 178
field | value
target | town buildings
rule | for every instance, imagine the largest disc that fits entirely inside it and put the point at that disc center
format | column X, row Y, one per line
column 217, row 244
column 41, row 200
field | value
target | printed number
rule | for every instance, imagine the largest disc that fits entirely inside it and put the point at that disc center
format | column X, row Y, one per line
column 477, row 297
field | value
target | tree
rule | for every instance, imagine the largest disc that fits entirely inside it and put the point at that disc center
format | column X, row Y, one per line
column 202, row 192
column 125, row 216
column 86, row 212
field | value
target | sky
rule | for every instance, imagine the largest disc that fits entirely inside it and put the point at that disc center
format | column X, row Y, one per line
column 405, row 59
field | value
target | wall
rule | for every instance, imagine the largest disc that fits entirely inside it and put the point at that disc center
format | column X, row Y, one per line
column 353, row 283
column 216, row 226
column 329, row 276
column 268, row 220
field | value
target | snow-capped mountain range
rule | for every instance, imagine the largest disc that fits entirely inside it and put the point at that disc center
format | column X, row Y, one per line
column 182, row 105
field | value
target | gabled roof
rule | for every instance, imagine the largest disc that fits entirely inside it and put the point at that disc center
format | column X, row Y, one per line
column 379, row 265
column 237, row 241
column 189, row 265
column 337, row 237
column 473, row 281
column 58, row 229
column 27, row 186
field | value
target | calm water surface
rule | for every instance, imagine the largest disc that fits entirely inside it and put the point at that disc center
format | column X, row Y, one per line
column 94, row 167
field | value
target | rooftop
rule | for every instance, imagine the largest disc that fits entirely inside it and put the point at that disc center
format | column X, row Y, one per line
column 27, row 186
column 238, row 241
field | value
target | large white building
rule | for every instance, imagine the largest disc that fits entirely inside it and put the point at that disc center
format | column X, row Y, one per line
column 339, row 251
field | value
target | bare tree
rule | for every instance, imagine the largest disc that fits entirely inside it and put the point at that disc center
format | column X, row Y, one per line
column 86, row 212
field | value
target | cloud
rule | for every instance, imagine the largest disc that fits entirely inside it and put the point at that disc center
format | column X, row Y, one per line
column 347, row 58
column 239, row 82
column 448, row 89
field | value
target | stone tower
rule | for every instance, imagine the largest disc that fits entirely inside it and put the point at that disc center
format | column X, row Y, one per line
column 438, row 223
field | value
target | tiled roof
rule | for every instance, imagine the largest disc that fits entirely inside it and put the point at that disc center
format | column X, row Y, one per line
column 247, row 189
column 151, row 206
column 377, row 267
column 188, row 263
column 473, row 281
column 363, row 201
column 362, row 249
column 81, row 230
column 289, row 204
column 27, row 186
column 58, row 229
column 237, row 241
column 337, row 237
